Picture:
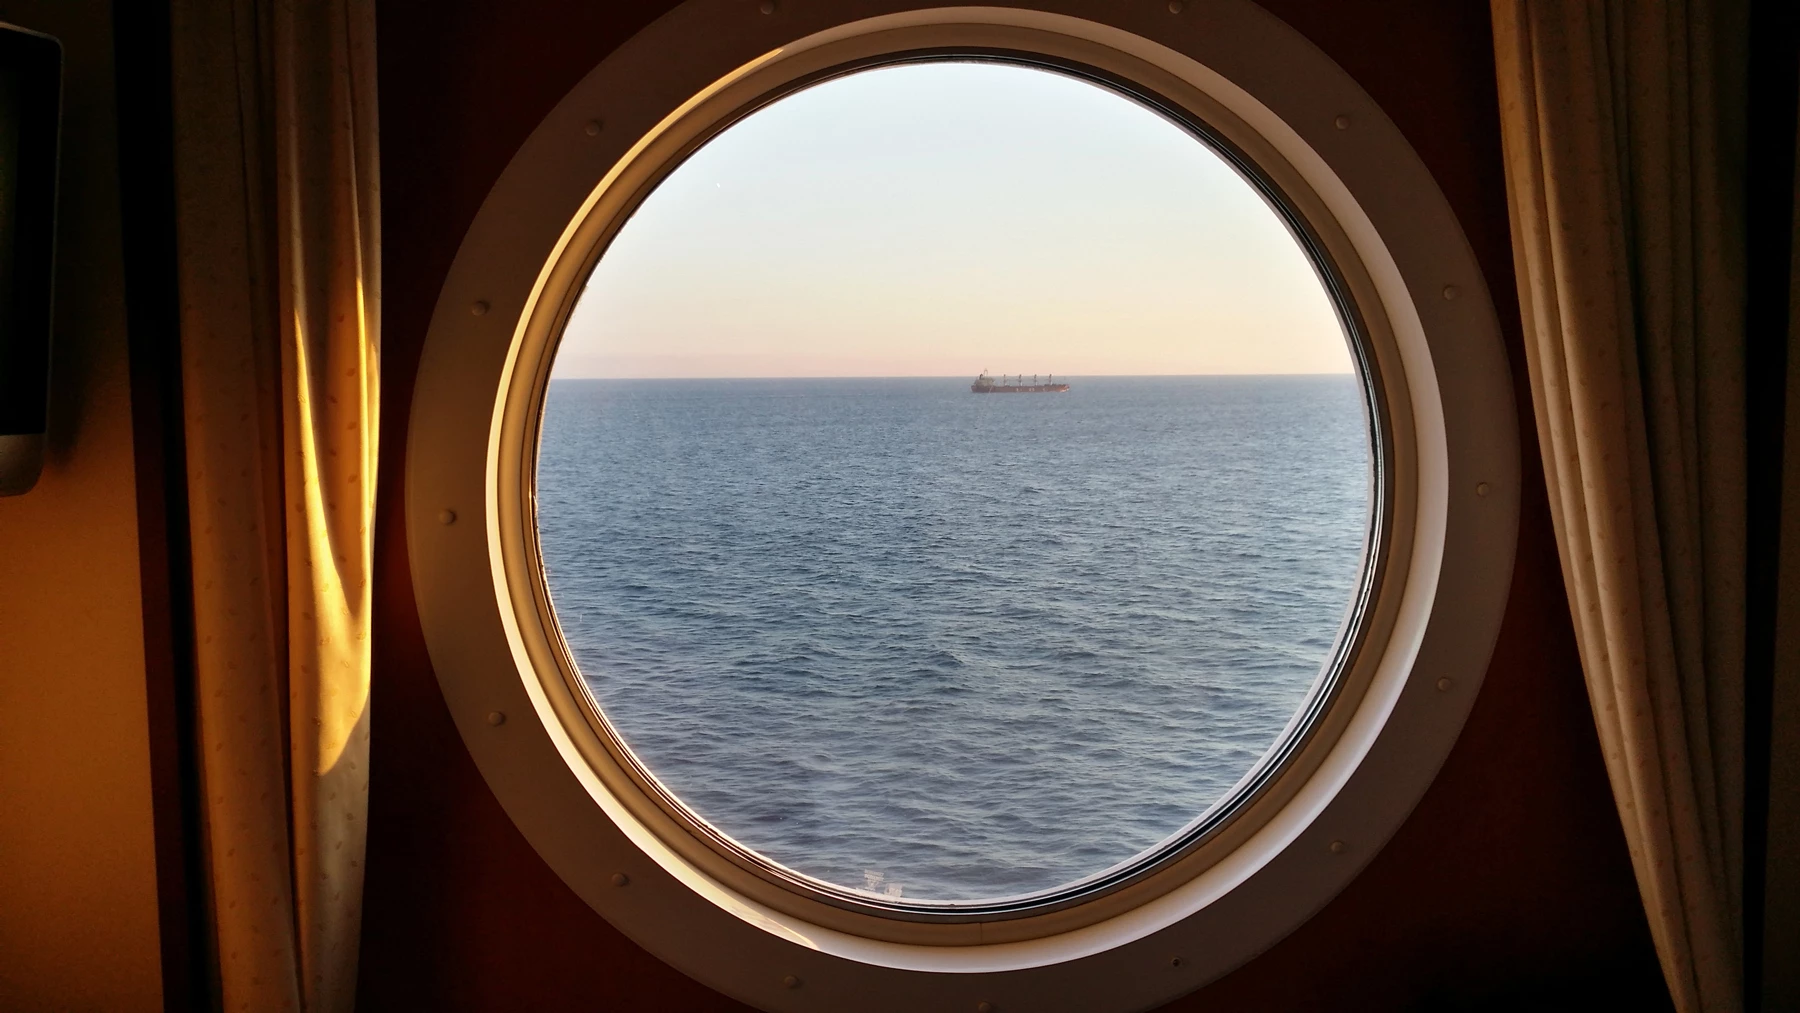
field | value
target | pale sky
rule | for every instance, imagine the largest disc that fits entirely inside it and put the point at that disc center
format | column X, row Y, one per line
column 942, row 219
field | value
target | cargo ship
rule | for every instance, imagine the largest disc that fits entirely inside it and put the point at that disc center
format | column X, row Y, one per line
column 985, row 384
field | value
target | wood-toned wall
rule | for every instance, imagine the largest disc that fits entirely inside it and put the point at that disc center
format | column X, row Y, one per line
column 1508, row 888
column 78, row 877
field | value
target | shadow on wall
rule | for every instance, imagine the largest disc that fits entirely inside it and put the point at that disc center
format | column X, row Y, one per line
column 1611, row 987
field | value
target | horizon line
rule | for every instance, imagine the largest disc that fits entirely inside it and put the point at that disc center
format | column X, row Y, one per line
column 949, row 376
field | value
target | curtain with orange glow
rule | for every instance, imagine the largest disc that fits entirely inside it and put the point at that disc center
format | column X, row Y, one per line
column 278, row 261
column 1623, row 154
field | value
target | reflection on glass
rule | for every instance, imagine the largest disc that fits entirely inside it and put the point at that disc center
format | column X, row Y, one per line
column 914, row 633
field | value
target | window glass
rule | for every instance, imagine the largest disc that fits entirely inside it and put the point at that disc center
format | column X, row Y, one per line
column 954, row 482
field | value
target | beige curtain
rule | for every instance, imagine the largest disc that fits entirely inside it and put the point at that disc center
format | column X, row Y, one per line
column 1623, row 167
column 278, row 266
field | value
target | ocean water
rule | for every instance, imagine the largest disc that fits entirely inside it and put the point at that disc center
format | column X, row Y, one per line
column 945, row 646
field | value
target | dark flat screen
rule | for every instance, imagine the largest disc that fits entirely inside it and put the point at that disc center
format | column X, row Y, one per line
column 30, row 110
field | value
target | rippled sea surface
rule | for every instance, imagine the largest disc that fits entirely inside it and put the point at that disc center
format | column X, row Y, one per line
column 946, row 646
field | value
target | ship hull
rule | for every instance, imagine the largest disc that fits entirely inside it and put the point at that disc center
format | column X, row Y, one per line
column 1039, row 388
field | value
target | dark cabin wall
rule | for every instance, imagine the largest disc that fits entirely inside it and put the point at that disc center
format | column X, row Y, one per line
column 1508, row 888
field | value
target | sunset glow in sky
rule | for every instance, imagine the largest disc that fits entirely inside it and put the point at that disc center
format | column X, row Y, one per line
column 947, row 218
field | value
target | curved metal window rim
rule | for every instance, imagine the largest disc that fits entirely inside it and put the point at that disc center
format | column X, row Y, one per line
column 1339, row 682
column 1454, row 474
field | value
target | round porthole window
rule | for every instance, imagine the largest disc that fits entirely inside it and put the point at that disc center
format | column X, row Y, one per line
column 886, row 636
column 961, row 500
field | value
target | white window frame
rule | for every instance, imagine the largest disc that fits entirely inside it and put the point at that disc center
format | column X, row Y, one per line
column 1448, row 491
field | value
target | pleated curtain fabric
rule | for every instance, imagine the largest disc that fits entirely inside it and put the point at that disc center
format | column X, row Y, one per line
column 278, row 258
column 1624, row 175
